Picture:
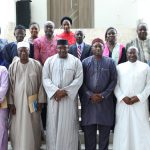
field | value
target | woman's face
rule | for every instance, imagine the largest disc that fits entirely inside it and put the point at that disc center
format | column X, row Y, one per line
column 111, row 35
column 34, row 30
column 66, row 25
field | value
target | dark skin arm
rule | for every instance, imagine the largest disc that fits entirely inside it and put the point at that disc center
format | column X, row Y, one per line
column 134, row 99
column 12, row 109
column 40, row 105
column 60, row 94
column 130, row 101
column 95, row 98
column 127, row 100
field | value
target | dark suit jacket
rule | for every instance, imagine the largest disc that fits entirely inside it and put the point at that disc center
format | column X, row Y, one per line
column 85, row 53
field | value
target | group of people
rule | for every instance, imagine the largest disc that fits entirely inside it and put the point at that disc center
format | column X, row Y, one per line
column 50, row 73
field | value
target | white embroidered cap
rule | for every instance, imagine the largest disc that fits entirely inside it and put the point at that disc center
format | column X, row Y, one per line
column 23, row 44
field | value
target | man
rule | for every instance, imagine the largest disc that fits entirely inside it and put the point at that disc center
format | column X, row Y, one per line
column 3, row 109
column 10, row 50
column 3, row 42
column 142, row 42
column 132, row 130
column 62, row 77
column 97, row 106
column 26, row 96
column 80, row 50
column 45, row 47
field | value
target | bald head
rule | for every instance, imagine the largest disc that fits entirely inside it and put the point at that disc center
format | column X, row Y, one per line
column 79, row 35
column 142, row 31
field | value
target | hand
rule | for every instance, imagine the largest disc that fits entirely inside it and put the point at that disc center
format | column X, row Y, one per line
column 127, row 100
column 12, row 109
column 95, row 98
column 60, row 94
column 40, row 107
column 134, row 99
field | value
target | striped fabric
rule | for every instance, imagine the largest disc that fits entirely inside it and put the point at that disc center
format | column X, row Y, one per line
column 79, row 51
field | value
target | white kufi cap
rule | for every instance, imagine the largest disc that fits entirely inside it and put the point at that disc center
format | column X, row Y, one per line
column 23, row 44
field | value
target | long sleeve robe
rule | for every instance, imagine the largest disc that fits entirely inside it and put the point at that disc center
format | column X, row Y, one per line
column 62, row 117
column 132, row 130
column 25, row 127
column 99, row 77
column 3, row 111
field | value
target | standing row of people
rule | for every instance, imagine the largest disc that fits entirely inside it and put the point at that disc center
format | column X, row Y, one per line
column 62, row 78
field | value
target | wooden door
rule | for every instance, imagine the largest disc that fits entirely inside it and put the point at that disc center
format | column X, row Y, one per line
column 81, row 12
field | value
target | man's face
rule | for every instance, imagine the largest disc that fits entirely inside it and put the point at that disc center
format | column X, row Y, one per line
column 62, row 51
column 19, row 34
column 142, row 32
column 97, row 49
column 49, row 29
column 34, row 30
column 66, row 25
column 23, row 53
column 111, row 35
column 79, row 37
column 132, row 55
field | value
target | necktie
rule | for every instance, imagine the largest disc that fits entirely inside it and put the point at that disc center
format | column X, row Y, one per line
column 79, row 51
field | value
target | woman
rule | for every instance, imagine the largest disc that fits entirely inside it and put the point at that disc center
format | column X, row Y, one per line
column 3, row 109
column 66, row 23
column 34, row 29
column 113, row 49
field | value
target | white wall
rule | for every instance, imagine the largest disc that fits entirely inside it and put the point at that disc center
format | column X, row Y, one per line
column 116, row 13
column 7, row 14
column 39, row 11
column 143, row 11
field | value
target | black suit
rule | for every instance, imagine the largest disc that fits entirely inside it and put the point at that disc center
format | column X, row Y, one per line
column 85, row 53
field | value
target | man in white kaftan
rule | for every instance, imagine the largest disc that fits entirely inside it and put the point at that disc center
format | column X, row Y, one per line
column 62, row 73
column 132, row 129
column 26, row 94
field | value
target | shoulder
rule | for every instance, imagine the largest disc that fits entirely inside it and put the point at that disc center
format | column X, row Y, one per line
column 87, row 60
column 39, row 39
column 9, row 45
column 142, row 64
column 36, row 64
column 15, row 61
column 87, row 45
column 3, row 69
column 73, row 57
column 72, row 47
column 50, row 59
column 122, row 65
column 108, row 59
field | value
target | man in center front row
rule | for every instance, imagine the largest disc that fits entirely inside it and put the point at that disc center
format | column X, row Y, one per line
column 62, row 78
column 97, row 105
column 132, row 129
